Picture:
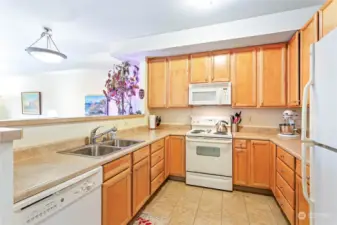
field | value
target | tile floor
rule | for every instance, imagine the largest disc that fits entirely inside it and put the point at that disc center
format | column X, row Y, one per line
column 178, row 203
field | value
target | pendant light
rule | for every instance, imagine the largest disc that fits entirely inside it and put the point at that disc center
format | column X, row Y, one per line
column 47, row 55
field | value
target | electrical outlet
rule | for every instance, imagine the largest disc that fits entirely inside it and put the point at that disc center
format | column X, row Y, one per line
column 250, row 119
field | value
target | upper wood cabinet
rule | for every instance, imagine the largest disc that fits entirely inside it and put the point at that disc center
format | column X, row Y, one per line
column 200, row 67
column 178, row 81
column 272, row 75
column 157, row 83
column 141, row 184
column 259, row 164
column 220, row 66
column 117, row 199
column 327, row 17
column 294, row 71
column 308, row 36
column 243, row 76
column 241, row 164
column 272, row 176
column 177, row 156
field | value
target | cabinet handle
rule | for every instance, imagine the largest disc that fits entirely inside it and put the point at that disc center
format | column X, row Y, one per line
column 282, row 156
column 295, row 101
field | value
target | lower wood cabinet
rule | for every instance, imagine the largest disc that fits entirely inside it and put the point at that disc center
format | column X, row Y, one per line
column 117, row 199
column 141, row 184
column 177, row 156
column 272, row 176
column 167, row 157
column 241, row 165
column 302, row 206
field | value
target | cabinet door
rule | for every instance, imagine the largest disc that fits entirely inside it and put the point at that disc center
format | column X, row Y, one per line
column 157, row 83
column 200, row 68
column 178, row 81
column 272, row 75
column 302, row 206
column 167, row 157
column 272, row 176
column 327, row 17
column 117, row 199
column 293, row 71
column 177, row 156
column 243, row 75
column 241, row 166
column 308, row 36
column 220, row 66
column 259, row 164
column 141, row 184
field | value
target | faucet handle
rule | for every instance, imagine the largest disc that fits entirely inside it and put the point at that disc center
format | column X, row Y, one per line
column 114, row 129
column 93, row 131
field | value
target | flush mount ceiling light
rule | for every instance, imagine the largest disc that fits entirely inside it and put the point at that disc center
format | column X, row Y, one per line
column 201, row 4
column 48, row 54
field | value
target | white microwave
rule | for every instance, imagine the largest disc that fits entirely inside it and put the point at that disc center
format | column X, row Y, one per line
column 210, row 94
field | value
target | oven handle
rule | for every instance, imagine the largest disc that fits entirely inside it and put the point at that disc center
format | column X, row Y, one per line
column 209, row 141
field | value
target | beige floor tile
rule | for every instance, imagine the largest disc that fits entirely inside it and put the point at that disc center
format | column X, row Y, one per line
column 210, row 208
column 234, row 209
column 276, row 211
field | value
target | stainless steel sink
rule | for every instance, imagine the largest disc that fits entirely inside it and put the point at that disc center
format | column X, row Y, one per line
column 121, row 143
column 95, row 151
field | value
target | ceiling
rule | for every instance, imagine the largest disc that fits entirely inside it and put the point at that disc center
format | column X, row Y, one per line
column 83, row 29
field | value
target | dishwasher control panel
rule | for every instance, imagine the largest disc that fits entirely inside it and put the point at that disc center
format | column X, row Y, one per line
column 34, row 210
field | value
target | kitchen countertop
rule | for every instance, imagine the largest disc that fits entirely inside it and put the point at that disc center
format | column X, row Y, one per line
column 36, row 174
column 9, row 134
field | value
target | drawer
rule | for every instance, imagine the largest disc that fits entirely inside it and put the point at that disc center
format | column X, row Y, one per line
column 239, row 143
column 299, row 169
column 286, row 208
column 155, row 184
column 286, row 190
column 287, row 158
column 157, row 169
column 157, row 156
column 140, row 154
column 286, row 173
column 117, row 166
column 157, row 145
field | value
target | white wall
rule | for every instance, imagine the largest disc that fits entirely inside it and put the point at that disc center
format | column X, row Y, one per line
column 257, row 26
column 250, row 117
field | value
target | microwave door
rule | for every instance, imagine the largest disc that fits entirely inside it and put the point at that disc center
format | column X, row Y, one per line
column 204, row 97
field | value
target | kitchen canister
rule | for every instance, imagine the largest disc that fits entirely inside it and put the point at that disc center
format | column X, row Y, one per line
column 235, row 127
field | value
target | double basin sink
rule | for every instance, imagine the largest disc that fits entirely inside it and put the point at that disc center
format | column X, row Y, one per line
column 102, row 149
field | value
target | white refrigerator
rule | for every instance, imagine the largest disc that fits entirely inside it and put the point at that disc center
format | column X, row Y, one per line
column 322, row 140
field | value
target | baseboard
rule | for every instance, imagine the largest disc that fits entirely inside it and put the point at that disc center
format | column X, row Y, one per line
column 253, row 190
column 176, row 178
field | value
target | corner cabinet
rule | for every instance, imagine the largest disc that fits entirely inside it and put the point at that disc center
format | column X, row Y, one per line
column 308, row 36
column 294, row 71
column 177, row 156
column 117, row 199
column 259, row 164
column 157, row 83
column 243, row 77
column 327, row 18
column 178, row 80
column 271, row 66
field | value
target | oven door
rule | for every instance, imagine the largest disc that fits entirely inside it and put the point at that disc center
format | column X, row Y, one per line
column 209, row 156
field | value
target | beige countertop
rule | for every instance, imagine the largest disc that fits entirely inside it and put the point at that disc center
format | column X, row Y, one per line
column 9, row 134
column 36, row 174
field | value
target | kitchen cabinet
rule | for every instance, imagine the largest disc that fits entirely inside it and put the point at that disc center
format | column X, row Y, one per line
column 259, row 164
column 271, row 67
column 157, row 73
column 327, row 18
column 141, row 184
column 241, row 163
column 272, row 176
column 293, row 85
column 117, row 199
column 167, row 157
column 302, row 206
column 243, row 76
column 200, row 68
column 177, row 156
column 220, row 66
column 308, row 36
column 178, row 81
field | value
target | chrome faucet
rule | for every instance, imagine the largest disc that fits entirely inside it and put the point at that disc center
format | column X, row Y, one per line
column 94, row 136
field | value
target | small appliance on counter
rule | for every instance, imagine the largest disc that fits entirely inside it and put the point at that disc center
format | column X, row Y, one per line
column 288, row 128
column 154, row 121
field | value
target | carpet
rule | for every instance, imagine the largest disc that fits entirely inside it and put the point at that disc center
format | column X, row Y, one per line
column 147, row 219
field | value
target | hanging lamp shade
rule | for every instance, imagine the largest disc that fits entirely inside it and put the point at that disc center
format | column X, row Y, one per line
column 50, row 54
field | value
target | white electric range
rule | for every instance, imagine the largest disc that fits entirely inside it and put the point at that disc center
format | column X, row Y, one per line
column 209, row 154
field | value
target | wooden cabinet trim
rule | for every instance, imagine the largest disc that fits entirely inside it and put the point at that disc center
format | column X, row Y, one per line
column 258, row 181
column 157, row 157
column 116, row 166
column 294, row 40
column 157, row 169
column 155, row 184
column 155, row 146
column 207, row 69
column 287, row 158
column 240, row 143
column 141, row 154
column 287, row 174
column 286, row 190
column 326, row 5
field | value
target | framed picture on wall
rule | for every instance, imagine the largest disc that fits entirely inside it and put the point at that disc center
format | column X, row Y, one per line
column 31, row 103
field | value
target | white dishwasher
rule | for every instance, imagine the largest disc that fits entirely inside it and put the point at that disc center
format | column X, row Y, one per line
column 74, row 202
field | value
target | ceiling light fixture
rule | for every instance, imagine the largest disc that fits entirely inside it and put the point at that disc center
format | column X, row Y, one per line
column 201, row 4
column 47, row 55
